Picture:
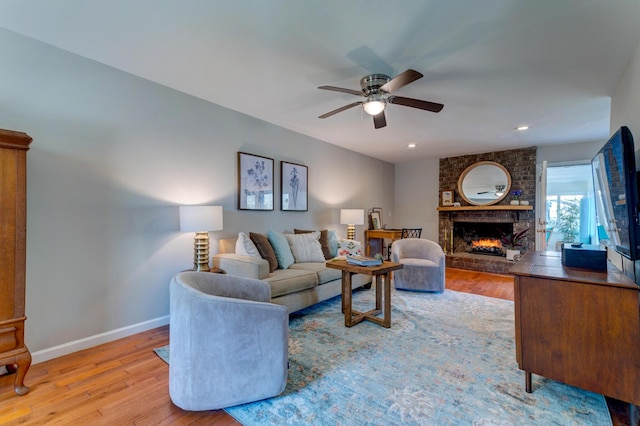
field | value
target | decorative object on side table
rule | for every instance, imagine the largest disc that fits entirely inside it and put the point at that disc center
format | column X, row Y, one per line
column 201, row 220
column 372, row 213
column 512, row 242
column 351, row 218
column 293, row 187
column 375, row 218
column 255, row 182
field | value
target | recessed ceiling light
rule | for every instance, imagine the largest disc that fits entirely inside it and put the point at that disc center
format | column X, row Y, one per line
column 411, row 145
column 522, row 128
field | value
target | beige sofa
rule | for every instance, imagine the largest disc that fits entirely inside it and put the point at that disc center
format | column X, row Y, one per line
column 297, row 287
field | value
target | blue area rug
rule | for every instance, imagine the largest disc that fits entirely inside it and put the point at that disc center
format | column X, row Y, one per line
column 449, row 359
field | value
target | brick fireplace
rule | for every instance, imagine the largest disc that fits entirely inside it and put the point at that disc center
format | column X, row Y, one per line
column 459, row 228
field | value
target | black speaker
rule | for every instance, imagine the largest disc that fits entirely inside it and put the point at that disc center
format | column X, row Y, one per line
column 586, row 256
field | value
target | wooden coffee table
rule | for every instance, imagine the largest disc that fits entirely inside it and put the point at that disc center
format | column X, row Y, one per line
column 352, row 317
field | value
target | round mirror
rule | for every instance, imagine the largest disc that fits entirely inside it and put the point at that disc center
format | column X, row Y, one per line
column 484, row 183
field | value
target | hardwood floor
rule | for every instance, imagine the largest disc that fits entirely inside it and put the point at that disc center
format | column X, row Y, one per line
column 125, row 383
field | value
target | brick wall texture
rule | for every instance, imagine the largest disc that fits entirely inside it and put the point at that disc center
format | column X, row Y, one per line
column 521, row 164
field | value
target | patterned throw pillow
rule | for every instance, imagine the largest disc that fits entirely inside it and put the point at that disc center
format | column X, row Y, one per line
column 306, row 247
column 349, row 248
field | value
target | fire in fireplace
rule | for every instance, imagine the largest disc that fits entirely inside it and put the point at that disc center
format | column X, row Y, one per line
column 490, row 246
column 480, row 237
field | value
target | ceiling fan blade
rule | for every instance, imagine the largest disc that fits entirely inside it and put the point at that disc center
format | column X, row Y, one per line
column 409, row 76
column 415, row 103
column 335, row 111
column 379, row 121
column 343, row 90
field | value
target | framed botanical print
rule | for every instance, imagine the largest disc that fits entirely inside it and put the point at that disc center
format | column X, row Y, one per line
column 447, row 197
column 255, row 182
column 293, row 187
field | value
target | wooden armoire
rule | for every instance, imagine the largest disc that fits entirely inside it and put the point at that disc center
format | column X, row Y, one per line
column 13, row 234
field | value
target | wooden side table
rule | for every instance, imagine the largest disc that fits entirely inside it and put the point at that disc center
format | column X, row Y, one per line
column 353, row 317
column 377, row 237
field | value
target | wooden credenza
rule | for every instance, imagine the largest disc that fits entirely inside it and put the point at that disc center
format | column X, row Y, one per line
column 577, row 326
column 13, row 232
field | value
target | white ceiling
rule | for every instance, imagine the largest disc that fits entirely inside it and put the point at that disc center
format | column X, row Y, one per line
column 494, row 64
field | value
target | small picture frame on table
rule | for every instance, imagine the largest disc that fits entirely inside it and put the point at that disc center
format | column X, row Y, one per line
column 447, row 197
column 376, row 220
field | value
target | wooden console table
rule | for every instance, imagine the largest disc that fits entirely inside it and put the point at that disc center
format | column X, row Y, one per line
column 577, row 326
column 378, row 236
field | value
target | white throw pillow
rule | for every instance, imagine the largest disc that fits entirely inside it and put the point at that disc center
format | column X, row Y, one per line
column 306, row 247
column 245, row 246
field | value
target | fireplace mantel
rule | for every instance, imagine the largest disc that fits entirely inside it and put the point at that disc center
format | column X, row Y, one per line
column 476, row 208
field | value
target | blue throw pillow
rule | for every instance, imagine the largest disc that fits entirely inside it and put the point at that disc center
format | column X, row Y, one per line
column 281, row 248
column 333, row 243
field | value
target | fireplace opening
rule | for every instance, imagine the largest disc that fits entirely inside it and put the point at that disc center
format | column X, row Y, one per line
column 481, row 238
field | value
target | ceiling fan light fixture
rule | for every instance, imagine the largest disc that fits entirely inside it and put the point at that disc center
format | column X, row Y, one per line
column 373, row 107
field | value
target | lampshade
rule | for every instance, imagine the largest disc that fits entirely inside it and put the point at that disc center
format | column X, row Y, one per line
column 352, row 217
column 200, row 218
column 374, row 107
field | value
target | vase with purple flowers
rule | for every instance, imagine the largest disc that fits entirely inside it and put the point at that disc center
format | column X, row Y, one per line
column 516, row 197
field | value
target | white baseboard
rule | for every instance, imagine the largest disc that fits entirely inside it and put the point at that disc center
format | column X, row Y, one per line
column 98, row 339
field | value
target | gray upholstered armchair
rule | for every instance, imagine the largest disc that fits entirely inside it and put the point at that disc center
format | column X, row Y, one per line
column 228, row 343
column 424, row 265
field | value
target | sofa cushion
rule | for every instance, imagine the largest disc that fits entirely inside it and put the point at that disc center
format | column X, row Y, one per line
column 286, row 281
column 245, row 246
column 324, row 241
column 281, row 249
column 265, row 249
column 324, row 274
column 306, row 247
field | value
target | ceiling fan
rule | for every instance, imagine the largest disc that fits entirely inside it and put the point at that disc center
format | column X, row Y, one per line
column 499, row 191
column 377, row 89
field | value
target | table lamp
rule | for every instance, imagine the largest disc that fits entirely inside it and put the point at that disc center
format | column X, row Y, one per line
column 351, row 218
column 201, row 220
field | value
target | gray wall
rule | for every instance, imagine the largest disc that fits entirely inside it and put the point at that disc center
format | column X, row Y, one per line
column 416, row 197
column 625, row 104
column 113, row 156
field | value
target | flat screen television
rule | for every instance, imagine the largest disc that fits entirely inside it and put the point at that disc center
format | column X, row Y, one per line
column 616, row 193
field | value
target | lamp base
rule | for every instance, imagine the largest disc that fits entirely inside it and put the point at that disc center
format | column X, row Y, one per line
column 351, row 232
column 201, row 252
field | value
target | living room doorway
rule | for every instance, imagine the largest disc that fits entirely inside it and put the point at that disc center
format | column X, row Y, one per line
column 568, row 210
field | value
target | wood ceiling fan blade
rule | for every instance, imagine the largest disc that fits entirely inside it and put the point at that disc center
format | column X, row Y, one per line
column 343, row 90
column 344, row 108
column 379, row 121
column 415, row 103
column 409, row 76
